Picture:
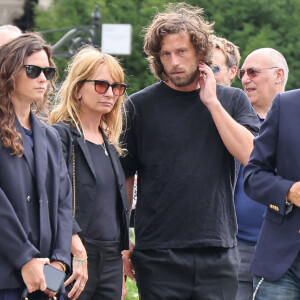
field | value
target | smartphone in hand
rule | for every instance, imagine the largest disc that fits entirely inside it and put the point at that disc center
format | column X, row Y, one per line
column 54, row 279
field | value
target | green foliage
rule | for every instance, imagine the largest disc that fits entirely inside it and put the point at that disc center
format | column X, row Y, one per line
column 73, row 13
column 132, row 292
column 250, row 24
column 253, row 24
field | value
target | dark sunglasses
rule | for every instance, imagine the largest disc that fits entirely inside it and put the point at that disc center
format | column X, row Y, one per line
column 33, row 71
column 101, row 87
column 252, row 72
column 217, row 69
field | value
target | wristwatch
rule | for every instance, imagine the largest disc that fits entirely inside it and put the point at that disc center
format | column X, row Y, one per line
column 288, row 206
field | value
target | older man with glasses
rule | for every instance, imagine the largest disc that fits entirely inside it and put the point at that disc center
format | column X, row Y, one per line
column 272, row 177
column 263, row 75
column 226, row 60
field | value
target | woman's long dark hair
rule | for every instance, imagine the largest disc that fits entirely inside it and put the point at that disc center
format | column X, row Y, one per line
column 12, row 58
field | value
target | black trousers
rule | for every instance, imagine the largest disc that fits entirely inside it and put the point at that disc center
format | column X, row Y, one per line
column 105, row 271
column 209, row 273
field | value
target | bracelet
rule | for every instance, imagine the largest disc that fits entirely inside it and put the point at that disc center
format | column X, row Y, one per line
column 80, row 261
column 62, row 265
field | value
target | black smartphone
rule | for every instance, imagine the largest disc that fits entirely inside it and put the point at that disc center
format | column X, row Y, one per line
column 54, row 278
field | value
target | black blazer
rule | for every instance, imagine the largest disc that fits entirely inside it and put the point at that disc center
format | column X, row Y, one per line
column 34, row 189
column 86, row 179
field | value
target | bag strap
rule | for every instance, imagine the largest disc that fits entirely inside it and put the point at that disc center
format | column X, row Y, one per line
column 73, row 181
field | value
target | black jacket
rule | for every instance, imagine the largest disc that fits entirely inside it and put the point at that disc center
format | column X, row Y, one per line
column 86, row 179
column 37, row 180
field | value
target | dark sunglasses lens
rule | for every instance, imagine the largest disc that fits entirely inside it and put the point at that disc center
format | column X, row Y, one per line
column 118, row 89
column 101, row 86
column 216, row 69
column 49, row 73
column 33, row 71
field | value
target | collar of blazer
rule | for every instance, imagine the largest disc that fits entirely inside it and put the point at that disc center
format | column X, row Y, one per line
column 37, row 159
column 110, row 148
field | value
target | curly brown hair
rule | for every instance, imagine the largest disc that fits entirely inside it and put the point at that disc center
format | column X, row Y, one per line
column 12, row 58
column 178, row 17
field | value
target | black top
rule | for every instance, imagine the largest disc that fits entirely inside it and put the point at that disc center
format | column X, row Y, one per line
column 104, row 221
column 85, row 180
column 32, row 201
column 185, row 173
column 29, row 135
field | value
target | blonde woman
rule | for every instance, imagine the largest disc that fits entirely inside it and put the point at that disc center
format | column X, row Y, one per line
column 89, row 122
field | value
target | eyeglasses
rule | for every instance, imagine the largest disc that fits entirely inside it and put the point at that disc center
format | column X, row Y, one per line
column 217, row 69
column 101, row 87
column 33, row 71
column 252, row 72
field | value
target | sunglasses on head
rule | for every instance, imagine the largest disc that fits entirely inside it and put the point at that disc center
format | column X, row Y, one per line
column 33, row 71
column 217, row 69
column 252, row 72
column 101, row 87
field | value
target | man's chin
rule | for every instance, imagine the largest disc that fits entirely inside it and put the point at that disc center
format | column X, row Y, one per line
column 179, row 83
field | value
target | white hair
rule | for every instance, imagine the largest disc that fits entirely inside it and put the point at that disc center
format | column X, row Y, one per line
column 9, row 27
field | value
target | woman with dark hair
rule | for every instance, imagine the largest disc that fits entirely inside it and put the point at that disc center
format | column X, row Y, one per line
column 89, row 122
column 35, row 191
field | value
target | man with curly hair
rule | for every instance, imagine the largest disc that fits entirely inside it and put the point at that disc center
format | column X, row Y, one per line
column 182, row 134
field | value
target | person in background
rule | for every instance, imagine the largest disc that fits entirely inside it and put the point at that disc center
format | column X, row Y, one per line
column 89, row 122
column 264, row 74
column 182, row 134
column 9, row 32
column 272, row 178
column 226, row 60
column 35, row 191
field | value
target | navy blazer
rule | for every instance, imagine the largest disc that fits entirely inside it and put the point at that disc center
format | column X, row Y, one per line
column 86, row 180
column 273, row 168
column 34, row 189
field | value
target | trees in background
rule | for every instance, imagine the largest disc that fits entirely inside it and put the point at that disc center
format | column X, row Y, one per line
column 250, row 24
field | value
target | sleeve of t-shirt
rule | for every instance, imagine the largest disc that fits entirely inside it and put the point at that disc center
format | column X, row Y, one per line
column 129, row 139
column 244, row 113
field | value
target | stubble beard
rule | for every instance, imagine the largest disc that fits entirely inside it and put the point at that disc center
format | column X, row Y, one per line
column 185, row 80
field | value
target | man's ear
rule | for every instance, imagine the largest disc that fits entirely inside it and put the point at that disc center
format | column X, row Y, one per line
column 279, row 76
column 232, row 72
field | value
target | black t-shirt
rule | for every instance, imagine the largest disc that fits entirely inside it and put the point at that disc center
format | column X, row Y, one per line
column 104, row 223
column 185, row 173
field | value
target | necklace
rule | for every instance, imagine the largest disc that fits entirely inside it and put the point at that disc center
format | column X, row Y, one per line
column 104, row 148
